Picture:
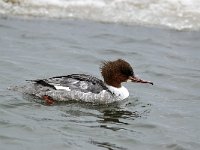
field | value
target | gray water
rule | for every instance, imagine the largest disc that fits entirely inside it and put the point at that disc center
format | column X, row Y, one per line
column 160, row 117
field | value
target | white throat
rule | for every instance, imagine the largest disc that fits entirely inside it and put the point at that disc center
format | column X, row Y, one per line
column 121, row 93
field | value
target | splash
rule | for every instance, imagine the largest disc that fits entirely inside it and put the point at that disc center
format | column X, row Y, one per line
column 175, row 14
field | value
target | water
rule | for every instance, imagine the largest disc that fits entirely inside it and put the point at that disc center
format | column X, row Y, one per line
column 175, row 14
column 164, row 116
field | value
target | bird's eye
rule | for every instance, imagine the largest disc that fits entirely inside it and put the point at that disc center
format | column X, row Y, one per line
column 128, row 72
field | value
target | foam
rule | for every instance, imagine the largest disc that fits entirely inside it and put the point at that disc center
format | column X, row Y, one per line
column 175, row 14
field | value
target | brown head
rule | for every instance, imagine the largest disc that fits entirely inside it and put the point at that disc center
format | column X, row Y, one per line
column 118, row 71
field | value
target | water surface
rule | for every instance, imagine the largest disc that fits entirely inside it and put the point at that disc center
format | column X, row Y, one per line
column 174, row 14
column 164, row 116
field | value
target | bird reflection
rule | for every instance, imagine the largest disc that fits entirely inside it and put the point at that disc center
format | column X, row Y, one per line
column 118, row 115
column 114, row 115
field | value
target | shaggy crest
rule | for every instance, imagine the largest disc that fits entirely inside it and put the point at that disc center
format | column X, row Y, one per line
column 115, row 72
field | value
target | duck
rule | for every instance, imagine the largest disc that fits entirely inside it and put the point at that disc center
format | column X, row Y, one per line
column 88, row 88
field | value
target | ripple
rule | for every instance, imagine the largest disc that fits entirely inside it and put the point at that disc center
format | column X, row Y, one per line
column 108, row 145
column 175, row 147
column 112, row 52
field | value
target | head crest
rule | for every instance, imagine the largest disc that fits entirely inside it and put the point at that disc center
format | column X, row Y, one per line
column 116, row 71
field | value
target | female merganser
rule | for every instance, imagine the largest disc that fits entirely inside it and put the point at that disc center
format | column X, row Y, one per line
column 86, row 87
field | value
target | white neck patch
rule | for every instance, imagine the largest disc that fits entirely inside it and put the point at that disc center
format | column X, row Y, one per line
column 120, row 93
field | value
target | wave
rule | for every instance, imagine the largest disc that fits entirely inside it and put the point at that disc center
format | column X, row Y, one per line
column 175, row 14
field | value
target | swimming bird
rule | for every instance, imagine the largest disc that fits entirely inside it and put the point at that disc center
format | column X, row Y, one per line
column 82, row 87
